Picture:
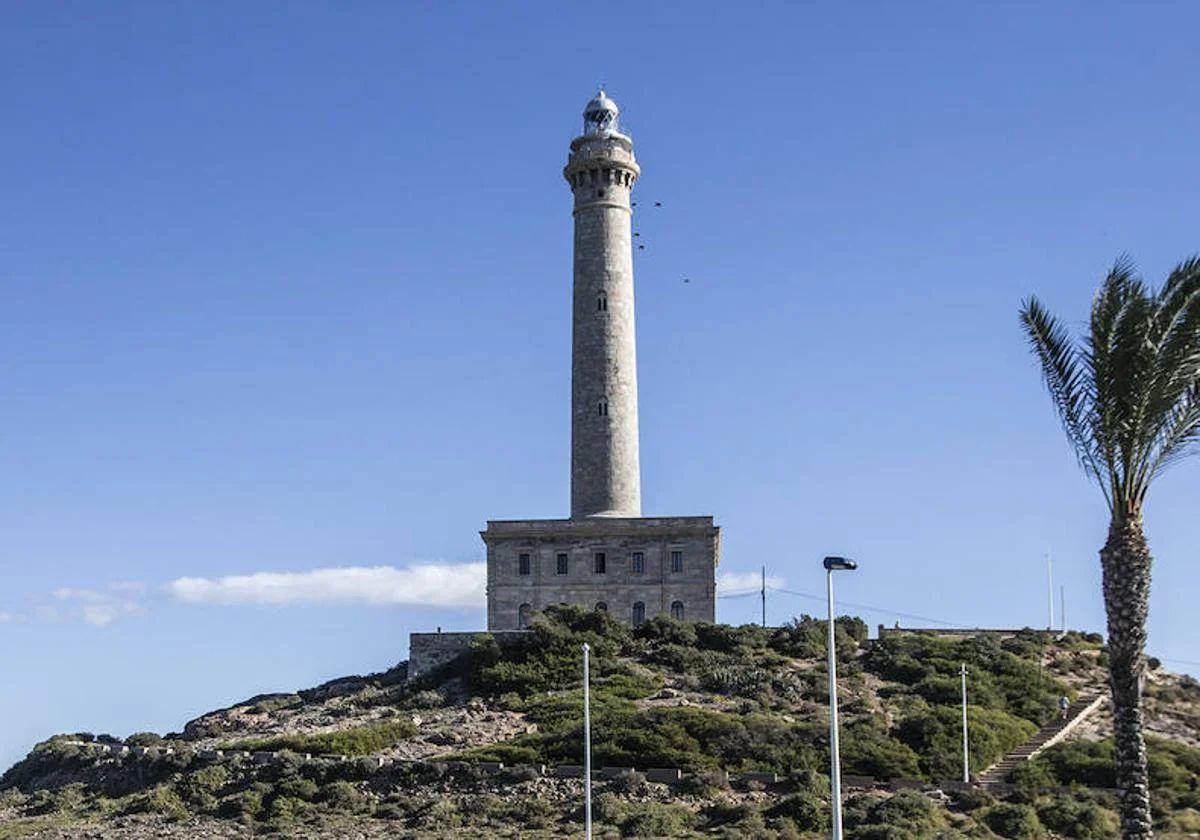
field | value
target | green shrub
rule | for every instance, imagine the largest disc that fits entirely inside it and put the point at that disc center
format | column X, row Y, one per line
column 361, row 740
column 274, row 702
column 868, row 750
column 904, row 816
column 643, row 819
column 287, row 809
column 160, row 800
column 144, row 739
column 202, row 788
column 1019, row 822
column 342, row 796
column 244, row 806
column 297, row 787
column 805, row 811
column 935, row 735
column 1072, row 818
column 427, row 699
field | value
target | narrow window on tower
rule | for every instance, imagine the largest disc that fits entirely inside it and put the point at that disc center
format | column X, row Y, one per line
column 637, row 562
column 561, row 560
column 602, row 302
column 677, row 610
column 602, row 407
column 599, row 562
column 523, row 614
column 523, row 564
column 676, row 561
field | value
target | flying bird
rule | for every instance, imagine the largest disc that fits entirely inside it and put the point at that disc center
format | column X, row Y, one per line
column 658, row 204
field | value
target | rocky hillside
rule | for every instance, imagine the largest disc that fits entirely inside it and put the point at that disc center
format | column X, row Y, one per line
column 721, row 731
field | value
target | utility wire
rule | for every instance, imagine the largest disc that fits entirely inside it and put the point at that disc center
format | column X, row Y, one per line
column 870, row 608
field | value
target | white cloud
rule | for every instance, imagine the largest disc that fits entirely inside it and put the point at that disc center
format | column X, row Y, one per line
column 8, row 618
column 434, row 585
column 68, row 593
column 730, row 582
column 95, row 607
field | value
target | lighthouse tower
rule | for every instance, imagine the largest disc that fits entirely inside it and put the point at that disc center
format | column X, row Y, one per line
column 606, row 556
column 601, row 170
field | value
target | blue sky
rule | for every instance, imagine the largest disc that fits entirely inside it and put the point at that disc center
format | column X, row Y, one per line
column 285, row 287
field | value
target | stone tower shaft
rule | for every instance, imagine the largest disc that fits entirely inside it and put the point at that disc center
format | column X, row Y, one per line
column 605, row 470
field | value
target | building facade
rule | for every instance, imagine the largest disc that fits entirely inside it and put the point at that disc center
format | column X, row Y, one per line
column 607, row 556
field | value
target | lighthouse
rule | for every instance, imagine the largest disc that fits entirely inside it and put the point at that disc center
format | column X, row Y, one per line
column 606, row 556
column 601, row 171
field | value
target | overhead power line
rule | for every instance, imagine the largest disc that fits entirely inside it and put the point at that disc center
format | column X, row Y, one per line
column 870, row 608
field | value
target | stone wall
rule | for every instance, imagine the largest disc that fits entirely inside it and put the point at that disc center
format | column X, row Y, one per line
column 427, row 651
column 620, row 586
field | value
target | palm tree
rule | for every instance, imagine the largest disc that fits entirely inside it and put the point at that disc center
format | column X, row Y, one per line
column 1128, row 397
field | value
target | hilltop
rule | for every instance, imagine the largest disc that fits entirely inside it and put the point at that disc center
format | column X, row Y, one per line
column 483, row 746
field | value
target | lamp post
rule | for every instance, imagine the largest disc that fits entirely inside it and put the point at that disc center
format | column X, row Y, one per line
column 834, row 564
column 587, row 749
column 966, row 755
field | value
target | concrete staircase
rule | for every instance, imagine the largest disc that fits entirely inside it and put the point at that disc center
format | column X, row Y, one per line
column 1048, row 735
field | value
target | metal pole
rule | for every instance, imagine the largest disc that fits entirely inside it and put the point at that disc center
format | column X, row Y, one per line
column 835, row 772
column 1050, row 589
column 764, row 596
column 966, row 753
column 587, row 750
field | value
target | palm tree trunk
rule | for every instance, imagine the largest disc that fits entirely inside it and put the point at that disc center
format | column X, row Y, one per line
column 1125, row 560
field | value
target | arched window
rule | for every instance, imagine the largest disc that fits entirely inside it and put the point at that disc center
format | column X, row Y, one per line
column 677, row 610
column 523, row 615
column 602, row 407
column 601, row 607
column 602, row 302
column 639, row 613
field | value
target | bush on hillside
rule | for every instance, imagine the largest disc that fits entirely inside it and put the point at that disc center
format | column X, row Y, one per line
column 935, row 735
column 1004, row 675
column 359, row 740
column 1018, row 822
column 1070, row 817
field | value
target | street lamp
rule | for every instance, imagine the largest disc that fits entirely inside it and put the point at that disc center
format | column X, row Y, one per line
column 834, row 564
column 587, row 747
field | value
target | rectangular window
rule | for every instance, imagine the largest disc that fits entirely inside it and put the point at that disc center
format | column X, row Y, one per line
column 599, row 561
column 676, row 561
column 523, row 564
column 637, row 563
column 562, row 564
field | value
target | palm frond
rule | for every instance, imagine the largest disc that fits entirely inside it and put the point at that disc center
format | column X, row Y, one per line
column 1173, row 372
column 1064, row 376
column 1098, row 355
column 1122, row 397
column 1179, row 436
